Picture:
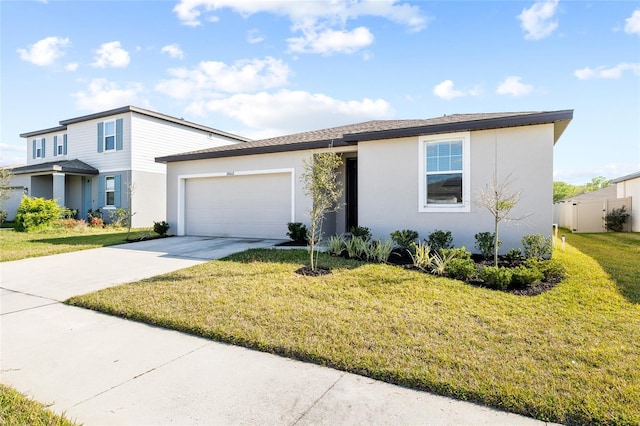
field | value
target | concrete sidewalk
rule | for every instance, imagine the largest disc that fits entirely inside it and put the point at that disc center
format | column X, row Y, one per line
column 99, row 369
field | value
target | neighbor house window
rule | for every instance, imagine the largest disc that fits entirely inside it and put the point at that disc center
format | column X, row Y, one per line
column 444, row 173
column 110, row 190
column 109, row 135
column 40, row 148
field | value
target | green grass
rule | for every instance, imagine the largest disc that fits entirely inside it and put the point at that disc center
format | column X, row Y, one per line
column 618, row 254
column 18, row 410
column 570, row 355
column 21, row 245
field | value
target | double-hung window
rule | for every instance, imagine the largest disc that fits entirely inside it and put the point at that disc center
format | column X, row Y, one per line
column 40, row 148
column 444, row 173
column 109, row 135
column 110, row 191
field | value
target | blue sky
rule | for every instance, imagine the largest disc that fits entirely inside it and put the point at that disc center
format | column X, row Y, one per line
column 265, row 68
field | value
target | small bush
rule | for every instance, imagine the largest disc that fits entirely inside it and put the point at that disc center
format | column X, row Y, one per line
column 514, row 254
column 421, row 255
column 119, row 217
column 496, row 277
column 94, row 213
column 161, row 228
column 361, row 232
column 378, row 251
column 549, row 268
column 615, row 219
column 484, row 244
column 536, row 246
column 297, row 232
column 336, row 245
column 36, row 213
column 461, row 269
column 3, row 215
column 96, row 222
column 404, row 238
column 356, row 247
column 439, row 240
column 67, row 213
column 522, row 276
column 440, row 261
column 457, row 253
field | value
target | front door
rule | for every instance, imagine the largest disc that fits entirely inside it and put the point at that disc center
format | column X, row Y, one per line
column 86, row 197
column 352, row 193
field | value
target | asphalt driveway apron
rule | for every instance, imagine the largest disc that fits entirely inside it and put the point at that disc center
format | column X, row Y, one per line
column 99, row 369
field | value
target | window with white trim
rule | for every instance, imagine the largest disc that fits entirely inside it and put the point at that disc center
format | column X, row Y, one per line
column 444, row 173
column 109, row 135
column 60, row 146
column 40, row 148
column 110, row 190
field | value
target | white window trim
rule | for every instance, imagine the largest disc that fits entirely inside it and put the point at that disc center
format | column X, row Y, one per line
column 40, row 148
column 465, row 207
column 60, row 146
column 107, row 190
column 104, row 137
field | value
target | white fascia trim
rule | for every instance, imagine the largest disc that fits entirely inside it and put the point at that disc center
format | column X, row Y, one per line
column 466, row 173
column 182, row 184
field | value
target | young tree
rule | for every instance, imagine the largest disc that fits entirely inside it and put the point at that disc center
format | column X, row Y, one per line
column 320, row 179
column 499, row 200
column 5, row 184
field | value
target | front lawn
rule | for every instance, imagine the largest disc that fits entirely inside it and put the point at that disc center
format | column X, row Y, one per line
column 21, row 245
column 18, row 410
column 570, row 355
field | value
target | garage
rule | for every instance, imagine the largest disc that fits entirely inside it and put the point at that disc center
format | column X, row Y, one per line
column 239, row 205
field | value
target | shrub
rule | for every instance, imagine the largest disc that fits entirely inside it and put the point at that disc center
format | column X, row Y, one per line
column 439, row 262
column 378, row 251
column 361, row 232
column 514, row 254
column 461, row 269
column 67, row 213
column 522, row 276
column 94, row 213
column 496, row 277
column 536, row 246
column 615, row 219
column 3, row 215
column 356, row 247
column 336, row 245
column 119, row 217
column 421, row 255
column 36, row 213
column 297, row 232
column 439, row 240
column 484, row 244
column 457, row 253
column 161, row 228
column 549, row 268
column 404, row 238
column 96, row 222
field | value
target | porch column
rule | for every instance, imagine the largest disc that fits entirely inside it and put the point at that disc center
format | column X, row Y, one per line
column 58, row 188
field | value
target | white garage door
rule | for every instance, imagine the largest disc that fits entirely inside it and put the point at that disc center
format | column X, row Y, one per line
column 238, row 206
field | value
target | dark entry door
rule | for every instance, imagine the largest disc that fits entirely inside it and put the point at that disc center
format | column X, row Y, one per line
column 352, row 193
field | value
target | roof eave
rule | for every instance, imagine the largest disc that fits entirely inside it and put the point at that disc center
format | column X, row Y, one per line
column 563, row 116
column 268, row 149
column 43, row 131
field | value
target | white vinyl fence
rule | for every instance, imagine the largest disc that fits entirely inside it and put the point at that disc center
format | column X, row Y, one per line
column 588, row 216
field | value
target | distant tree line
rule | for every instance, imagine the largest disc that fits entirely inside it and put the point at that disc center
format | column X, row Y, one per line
column 563, row 190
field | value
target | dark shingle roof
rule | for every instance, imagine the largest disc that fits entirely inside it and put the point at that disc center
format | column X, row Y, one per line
column 378, row 129
column 75, row 167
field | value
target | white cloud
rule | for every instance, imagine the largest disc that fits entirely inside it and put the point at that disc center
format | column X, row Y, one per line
column 321, row 23
column 293, row 111
column 513, row 86
column 173, row 50
column 44, row 52
column 588, row 73
column 111, row 55
column 254, row 36
column 537, row 21
column 71, row 66
column 330, row 41
column 13, row 154
column 102, row 94
column 210, row 78
column 632, row 25
column 445, row 90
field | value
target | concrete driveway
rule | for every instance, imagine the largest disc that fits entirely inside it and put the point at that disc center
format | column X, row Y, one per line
column 100, row 369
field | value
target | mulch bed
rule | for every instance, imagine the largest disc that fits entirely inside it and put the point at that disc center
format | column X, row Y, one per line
column 318, row 272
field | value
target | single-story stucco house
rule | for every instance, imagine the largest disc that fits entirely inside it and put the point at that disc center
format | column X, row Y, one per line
column 398, row 174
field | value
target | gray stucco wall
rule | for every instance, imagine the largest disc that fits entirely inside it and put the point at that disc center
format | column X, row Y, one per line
column 388, row 176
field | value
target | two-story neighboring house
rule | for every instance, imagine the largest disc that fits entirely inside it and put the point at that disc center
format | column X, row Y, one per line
column 107, row 160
